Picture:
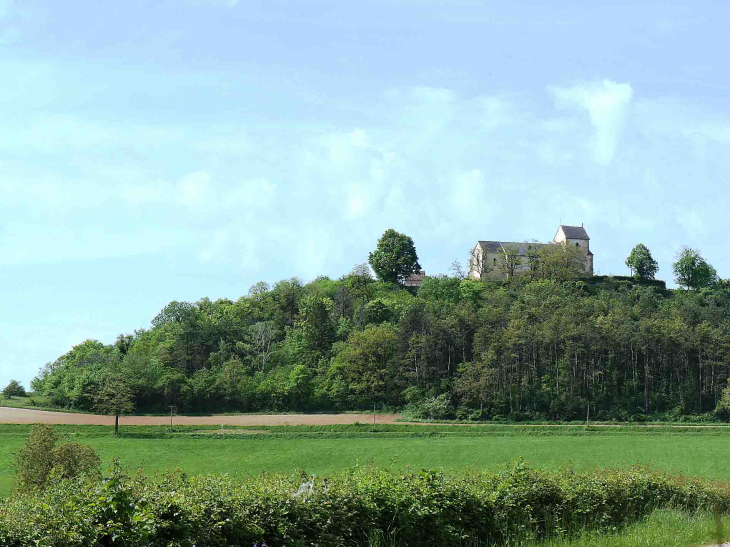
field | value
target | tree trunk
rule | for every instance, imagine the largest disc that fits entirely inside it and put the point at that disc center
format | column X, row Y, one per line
column 116, row 424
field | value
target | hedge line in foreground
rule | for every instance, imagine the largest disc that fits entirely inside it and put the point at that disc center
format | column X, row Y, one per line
column 363, row 506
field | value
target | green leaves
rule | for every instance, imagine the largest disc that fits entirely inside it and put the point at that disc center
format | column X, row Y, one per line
column 13, row 389
column 424, row 507
column 692, row 271
column 395, row 257
column 316, row 325
column 641, row 263
column 114, row 395
column 42, row 458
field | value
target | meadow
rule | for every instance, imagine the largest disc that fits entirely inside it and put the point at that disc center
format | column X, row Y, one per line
column 700, row 451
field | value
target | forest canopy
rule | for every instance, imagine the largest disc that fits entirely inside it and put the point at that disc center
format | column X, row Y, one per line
column 537, row 348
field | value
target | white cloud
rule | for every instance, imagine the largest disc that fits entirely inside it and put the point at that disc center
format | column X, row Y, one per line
column 358, row 201
column 607, row 104
column 495, row 112
column 216, row 246
column 248, row 195
column 143, row 194
column 469, row 193
column 195, row 190
column 441, row 167
column 232, row 145
column 693, row 222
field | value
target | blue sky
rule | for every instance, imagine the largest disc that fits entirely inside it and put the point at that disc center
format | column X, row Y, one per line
column 171, row 150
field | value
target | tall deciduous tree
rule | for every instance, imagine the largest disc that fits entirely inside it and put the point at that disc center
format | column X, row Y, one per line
column 510, row 261
column 561, row 262
column 641, row 263
column 693, row 271
column 395, row 257
column 262, row 335
column 316, row 325
column 359, row 282
column 358, row 375
column 114, row 397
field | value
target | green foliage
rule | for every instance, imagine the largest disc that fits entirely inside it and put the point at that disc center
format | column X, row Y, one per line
column 433, row 408
column 114, row 396
column 359, row 374
column 74, row 459
column 41, row 456
column 641, row 263
column 440, row 289
column 34, row 462
column 395, row 257
column 547, row 345
column 318, row 330
column 692, row 271
column 377, row 311
column 509, row 261
column 663, row 528
column 722, row 410
column 558, row 261
column 13, row 389
column 427, row 507
column 324, row 450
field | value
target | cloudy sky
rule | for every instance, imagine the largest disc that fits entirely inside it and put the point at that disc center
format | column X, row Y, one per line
column 169, row 150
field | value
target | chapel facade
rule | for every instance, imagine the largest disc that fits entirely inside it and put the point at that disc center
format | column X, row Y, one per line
column 486, row 255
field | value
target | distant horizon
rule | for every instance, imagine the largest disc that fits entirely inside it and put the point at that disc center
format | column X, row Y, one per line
column 152, row 152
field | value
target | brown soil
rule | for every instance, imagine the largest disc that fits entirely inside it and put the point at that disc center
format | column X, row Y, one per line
column 27, row 416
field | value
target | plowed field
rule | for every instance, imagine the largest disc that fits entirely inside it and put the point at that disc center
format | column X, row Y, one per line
column 28, row 416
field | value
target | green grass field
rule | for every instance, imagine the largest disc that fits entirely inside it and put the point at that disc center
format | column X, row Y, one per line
column 325, row 449
column 38, row 403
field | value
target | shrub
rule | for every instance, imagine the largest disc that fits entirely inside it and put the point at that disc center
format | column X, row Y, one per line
column 13, row 389
column 74, row 459
column 410, row 508
column 432, row 408
column 37, row 459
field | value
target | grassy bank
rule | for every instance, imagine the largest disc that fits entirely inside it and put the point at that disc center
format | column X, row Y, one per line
column 663, row 528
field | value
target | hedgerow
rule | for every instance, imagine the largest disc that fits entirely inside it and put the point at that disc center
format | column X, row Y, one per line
column 415, row 508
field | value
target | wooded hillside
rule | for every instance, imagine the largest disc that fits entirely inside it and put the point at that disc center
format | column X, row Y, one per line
column 541, row 349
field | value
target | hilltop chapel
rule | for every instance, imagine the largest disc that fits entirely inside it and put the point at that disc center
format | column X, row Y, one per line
column 485, row 256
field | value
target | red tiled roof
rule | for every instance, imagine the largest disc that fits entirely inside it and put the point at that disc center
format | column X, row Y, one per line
column 414, row 280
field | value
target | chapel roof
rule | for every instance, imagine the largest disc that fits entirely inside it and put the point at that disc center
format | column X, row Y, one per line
column 502, row 246
column 574, row 232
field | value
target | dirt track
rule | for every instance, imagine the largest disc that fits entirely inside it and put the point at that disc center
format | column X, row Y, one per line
column 27, row 416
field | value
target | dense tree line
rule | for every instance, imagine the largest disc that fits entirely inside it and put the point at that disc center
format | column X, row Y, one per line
column 532, row 346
